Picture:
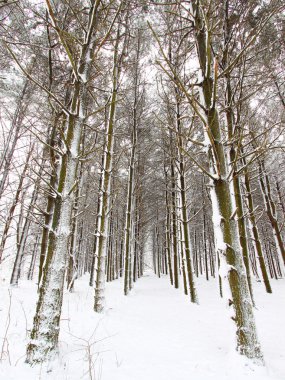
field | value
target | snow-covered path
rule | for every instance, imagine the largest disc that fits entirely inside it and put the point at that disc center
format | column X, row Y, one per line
column 162, row 336
column 156, row 333
column 153, row 334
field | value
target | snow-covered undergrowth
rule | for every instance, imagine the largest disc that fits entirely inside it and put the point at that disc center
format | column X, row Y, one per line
column 153, row 334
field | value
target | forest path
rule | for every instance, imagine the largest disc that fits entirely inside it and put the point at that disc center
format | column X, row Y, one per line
column 154, row 333
column 159, row 334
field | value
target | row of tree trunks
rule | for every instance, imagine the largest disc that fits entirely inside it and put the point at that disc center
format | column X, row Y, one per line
column 16, row 272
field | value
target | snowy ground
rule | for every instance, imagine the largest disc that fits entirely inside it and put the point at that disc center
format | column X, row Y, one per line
column 153, row 334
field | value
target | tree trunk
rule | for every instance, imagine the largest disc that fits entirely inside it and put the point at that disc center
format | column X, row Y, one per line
column 44, row 335
column 255, row 232
column 271, row 209
column 24, row 235
column 104, row 195
column 174, row 227
column 233, row 135
column 226, row 229
column 183, row 206
column 34, row 257
column 167, row 229
column 48, row 215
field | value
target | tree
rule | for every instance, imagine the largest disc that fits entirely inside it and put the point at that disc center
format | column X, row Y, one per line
column 46, row 321
column 104, row 196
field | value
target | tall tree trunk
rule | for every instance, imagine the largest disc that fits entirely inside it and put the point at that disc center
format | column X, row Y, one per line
column 44, row 335
column 205, row 242
column 233, row 136
column 48, row 215
column 174, row 227
column 130, row 214
column 130, row 201
column 34, row 257
column 168, row 228
column 183, row 206
column 96, row 234
column 226, row 229
column 72, row 259
column 104, row 195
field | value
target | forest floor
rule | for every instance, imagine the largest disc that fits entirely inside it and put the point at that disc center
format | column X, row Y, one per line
column 153, row 334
